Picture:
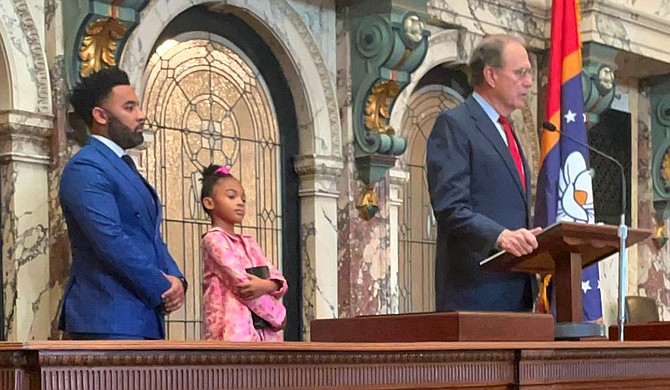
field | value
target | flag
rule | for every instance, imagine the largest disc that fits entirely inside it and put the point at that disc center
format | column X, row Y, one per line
column 564, row 191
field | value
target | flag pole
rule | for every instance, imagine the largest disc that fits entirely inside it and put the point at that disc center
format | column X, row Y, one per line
column 623, row 261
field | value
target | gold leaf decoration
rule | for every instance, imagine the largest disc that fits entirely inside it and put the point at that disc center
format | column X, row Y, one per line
column 99, row 46
column 378, row 107
column 665, row 168
column 368, row 205
column 660, row 238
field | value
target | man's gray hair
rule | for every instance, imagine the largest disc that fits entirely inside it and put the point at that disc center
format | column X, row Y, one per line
column 489, row 52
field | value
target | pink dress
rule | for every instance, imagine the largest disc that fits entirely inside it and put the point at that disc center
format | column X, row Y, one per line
column 227, row 316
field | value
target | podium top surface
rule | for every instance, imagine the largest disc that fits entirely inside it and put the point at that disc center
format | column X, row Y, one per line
column 558, row 241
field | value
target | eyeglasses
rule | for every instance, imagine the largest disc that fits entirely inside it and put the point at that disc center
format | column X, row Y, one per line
column 523, row 72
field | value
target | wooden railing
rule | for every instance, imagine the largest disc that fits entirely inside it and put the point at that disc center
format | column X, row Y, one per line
column 155, row 365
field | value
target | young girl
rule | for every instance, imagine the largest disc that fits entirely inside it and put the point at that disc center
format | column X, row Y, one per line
column 232, row 294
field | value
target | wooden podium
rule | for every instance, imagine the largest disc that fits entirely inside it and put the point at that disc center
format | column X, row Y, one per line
column 564, row 248
column 435, row 327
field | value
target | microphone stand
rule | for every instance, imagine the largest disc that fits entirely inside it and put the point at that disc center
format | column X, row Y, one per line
column 622, row 230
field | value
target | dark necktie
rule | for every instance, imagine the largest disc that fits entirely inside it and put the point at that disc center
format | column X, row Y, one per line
column 129, row 160
column 513, row 149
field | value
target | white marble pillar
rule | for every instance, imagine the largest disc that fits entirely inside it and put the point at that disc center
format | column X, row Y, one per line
column 398, row 179
column 318, row 218
column 24, row 163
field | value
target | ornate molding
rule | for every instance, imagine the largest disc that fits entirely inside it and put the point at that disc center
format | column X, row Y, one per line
column 378, row 106
column 25, row 136
column 306, row 165
column 550, row 366
column 236, row 357
column 659, row 97
column 324, row 76
column 385, row 50
column 32, row 37
column 598, row 82
column 13, row 359
column 318, row 175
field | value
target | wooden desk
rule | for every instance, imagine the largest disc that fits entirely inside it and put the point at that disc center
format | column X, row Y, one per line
column 642, row 332
column 155, row 365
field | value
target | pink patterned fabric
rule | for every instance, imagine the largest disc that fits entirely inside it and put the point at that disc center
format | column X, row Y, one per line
column 227, row 316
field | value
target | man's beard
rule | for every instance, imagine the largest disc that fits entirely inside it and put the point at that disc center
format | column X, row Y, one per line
column 123, row 135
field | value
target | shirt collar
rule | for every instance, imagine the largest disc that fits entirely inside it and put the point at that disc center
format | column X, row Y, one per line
column 110, row 144
column 487, row 107
column 232, row 236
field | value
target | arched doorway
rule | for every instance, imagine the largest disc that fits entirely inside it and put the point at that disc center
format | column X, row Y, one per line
column 215, row 94
column 440, row 89
column 5, row 85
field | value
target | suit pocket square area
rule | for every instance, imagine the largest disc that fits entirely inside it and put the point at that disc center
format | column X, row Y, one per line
column 262, row 272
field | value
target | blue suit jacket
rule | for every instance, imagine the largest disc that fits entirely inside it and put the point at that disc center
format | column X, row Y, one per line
column 476, row 193
column 118, row 255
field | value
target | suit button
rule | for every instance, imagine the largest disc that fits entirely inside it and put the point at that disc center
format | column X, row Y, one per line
column 137, row 214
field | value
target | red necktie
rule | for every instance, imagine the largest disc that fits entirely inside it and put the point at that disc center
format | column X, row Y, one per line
column 513, row 149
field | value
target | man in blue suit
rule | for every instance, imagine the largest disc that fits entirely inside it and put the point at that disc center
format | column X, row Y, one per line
column 479, row 184
column 123, row 280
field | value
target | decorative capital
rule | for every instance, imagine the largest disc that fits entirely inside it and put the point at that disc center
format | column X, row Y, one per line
column 25, row 136
column 318, row 175
column 385, row 50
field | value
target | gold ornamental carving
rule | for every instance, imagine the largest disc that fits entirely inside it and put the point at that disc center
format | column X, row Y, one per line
column 99, row 46
column 378, row 106
column 665, row 168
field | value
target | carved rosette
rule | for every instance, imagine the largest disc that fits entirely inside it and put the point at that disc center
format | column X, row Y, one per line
column 385, row 49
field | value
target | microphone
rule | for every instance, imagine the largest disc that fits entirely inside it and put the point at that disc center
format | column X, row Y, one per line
column 550, row 127
column 623, row 229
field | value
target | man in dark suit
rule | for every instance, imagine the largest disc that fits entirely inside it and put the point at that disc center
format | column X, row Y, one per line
column 123, row 280
column 479, row 184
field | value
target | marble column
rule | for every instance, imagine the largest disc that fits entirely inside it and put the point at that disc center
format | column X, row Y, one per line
column 398, row 179
column 24, row 164
column 318, row 214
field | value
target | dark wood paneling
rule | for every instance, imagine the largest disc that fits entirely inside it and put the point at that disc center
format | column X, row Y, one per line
column 206, row 365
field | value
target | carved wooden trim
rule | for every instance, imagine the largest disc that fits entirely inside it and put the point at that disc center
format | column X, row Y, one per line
column 209, row 366
column 280, row 376
column 191, row 358
column 551, row 366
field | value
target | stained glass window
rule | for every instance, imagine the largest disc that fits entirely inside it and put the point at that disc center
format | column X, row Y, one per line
column 208, row 103
column 417, row 225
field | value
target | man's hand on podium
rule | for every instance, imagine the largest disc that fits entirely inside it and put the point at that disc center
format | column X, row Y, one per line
column 518, row 242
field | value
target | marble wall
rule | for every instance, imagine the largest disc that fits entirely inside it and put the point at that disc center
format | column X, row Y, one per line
column 25, row 129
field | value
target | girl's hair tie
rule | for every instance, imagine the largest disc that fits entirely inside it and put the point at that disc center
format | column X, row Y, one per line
column 223, row 171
